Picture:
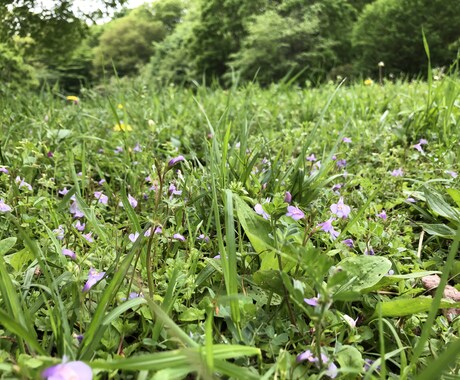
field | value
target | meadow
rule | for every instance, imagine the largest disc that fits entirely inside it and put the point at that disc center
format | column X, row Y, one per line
column 246, row 233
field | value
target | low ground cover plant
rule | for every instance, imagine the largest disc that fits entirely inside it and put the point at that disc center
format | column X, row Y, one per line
column 244, row 233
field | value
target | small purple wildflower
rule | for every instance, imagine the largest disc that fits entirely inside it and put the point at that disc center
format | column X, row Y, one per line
column 148, row 179
column 347, row 140
column 173, row 191
column 137, row 148
column 391, row 272
column 351, row 322
column 175, row 160
column 133, row 237
column 70, row 253
column 295, row 213
column 423, row 142
column 93, row 278
column 340, row 209
column 4, row 170
column 341, row 164
column 260, row 211
column 59, row 232
column 369, row 251
column 337, row 187
column 3, row 206
column 217, row 257
column 64, row 191
column 102, row 181
column 311, row 157
column 118, row 149
column 101, row 197
column 75, row 370
column 411, row 200
column 452, row 173
column 203, row 237
column 382, row 215
column 306, row 355
column 418, row 147
column 397, row 172
column 312, row 301
column 50, row 154
column 178, row 237
column 132, row 201
column 80, row 226
column 21, row 183
column 77, row 213
column 287, row 197
column 157, row 230
column 348, row 242
column 328, row 227
column 332, row 371
column 89, row 237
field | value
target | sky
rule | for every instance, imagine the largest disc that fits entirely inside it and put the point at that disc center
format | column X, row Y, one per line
column 89, row 5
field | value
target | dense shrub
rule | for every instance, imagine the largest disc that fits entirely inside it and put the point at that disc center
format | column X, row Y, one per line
column 391, row 31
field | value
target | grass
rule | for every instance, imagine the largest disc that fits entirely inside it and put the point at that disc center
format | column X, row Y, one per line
column 194, row 282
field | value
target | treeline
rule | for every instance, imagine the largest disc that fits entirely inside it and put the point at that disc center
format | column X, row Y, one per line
column 205, row 41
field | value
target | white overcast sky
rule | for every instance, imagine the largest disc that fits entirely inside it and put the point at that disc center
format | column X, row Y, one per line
column 90, row 5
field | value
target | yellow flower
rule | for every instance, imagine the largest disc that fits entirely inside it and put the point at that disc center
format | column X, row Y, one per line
column 73, row 98
column 120, row 106
column 122, row 127
column 368, row 82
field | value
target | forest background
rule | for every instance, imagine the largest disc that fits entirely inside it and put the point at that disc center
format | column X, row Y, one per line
column 306, row 42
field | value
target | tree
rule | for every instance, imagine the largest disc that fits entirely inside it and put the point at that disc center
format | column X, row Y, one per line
column 391, row 31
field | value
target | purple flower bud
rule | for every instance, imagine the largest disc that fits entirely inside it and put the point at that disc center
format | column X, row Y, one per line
column 70, row 253
column 175, row 160
column 93, row 278
column 4, row 207
column 287, row 197
column 178, row 237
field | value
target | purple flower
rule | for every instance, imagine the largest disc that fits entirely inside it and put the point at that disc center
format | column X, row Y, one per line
column 217, row 257
column 102, row 181
column 418, row 147
column 79, row 226
column 346, row 140
column 132, row 201
column 340, row 209
column 3, row 206
column 348, row 242
column 383, row 215
column 295, row 213
column 312, row 301
column 311, row 157
column 118, row 149
column 93, row 278
column 22, row 183
column 158, row 230
column 369, row 251
column 260, row 211
column 178, row 237
column 70, row 253
column 64, row 191
column 423, row 142
column 411, row 200
column 89, row 237
column 306, row 355
column 203, row 237
column 452, row 173
column 332, row 370
column 137, row 148
column 59, row 232
column 76, row 370
column 173, row 191
column 77, row 213
column 351, row 322
column 341, row 164
column 175, row 160
column 287, row 197
column 337, row 187
column 133, row 237
column 328, row 227
column 3, row 170
column 397, row 172
column 101, row 197
column 50, row 154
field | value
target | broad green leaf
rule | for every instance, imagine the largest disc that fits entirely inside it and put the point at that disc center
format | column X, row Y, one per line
column 363, row 272
column 408, row 306
column 7, row 244
column 455, row 195
column 350, row 359
column 438, row 230
column 192, row 314
column 437, row 204
column 18, row 259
